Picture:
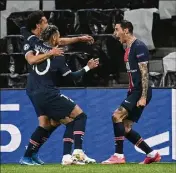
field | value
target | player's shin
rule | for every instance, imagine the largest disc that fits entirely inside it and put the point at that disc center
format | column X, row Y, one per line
column 37, row 137
column 119, row 132
column 78, row 132
column 68, row 139
column 79, row 129
column 68, row 142
column 137, row 140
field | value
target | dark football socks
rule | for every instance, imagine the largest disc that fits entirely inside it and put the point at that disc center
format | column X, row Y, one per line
column 79, row 129
column 39, row 136
column 119, row 132
column 68, row 138
column 136, row 139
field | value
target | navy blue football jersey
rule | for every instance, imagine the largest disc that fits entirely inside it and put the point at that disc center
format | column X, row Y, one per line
column 43, row 76
column 138, row 52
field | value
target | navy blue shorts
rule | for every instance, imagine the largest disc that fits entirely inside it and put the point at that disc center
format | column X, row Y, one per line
column 55, row 106
column 134, row 112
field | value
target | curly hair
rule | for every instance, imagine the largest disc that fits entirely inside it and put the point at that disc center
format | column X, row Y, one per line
column 48, row 32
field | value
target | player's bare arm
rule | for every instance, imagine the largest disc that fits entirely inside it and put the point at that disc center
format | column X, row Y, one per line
column 35, row 59
column 67, row 41
column 145, row 82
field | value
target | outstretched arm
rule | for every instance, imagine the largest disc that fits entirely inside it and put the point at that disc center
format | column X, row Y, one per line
column 78, row 74
column 67, row 41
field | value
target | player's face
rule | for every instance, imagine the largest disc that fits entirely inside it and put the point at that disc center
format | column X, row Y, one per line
column 119, row 33
column 43, row 24
column 56, row 39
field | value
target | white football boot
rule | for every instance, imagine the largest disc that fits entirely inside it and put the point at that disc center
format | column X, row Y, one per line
column 80, row 157
column 67, row 160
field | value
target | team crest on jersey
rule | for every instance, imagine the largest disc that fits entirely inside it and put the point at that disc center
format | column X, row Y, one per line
column 26, row 47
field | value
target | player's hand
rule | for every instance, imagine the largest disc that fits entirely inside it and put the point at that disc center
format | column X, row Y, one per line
column 93, row 63
column 87, row 38
column 142, row 102
column 57, row 51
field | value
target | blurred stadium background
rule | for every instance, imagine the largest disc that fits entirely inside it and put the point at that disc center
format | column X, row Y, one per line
column 155, row 24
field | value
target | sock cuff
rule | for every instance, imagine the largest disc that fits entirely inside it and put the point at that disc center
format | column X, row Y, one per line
column 34, row 143
column 138, row 142
column 78, row 133
column 68, row 140
column 120, row 138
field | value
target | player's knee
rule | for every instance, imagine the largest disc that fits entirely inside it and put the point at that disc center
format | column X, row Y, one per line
column 44, row 121
column 128, row 125
column 66, row 120
column 54, row 123
column 119, row 115
column 127, row 129
column 76, row 112
column 116, row 118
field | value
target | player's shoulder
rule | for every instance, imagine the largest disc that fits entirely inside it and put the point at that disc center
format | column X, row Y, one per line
column 140, row 44
column 32, row 38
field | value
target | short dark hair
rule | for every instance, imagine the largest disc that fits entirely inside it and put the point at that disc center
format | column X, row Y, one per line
column 48, row 32
column 33, row 19
column 125, row 24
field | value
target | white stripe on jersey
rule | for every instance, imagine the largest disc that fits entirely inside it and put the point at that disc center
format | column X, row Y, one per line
column 65, row 74
column 30, row 37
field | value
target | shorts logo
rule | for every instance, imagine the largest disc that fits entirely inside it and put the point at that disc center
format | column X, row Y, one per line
column 127, row 101
column 26, row 47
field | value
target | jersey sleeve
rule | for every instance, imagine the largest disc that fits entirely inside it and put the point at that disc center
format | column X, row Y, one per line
column 60, row 64
column 142, row 53
column 27, row 48
column 29, row 44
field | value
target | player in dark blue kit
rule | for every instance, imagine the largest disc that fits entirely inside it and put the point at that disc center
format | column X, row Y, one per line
column 44, row 94
column 36, row 23
column 139, row 95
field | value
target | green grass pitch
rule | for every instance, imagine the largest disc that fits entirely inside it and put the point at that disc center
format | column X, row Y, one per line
column 94, row 168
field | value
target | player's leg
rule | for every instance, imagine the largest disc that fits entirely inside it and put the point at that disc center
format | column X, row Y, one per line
column 78, row 131
column 63, row 109
column 36, row 140
column 68, row 140
column 136, row 139
column 119, row 135
column 39, row 136
column 48, row 127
